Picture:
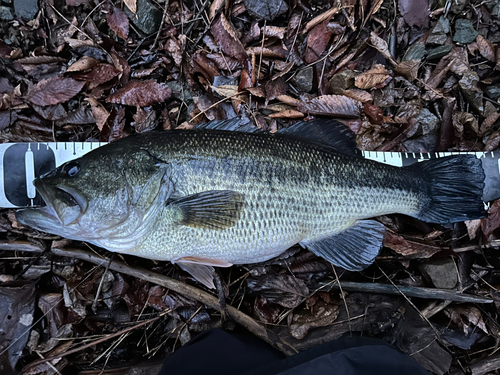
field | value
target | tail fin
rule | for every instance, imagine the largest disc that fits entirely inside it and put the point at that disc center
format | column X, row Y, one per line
column 455, row 189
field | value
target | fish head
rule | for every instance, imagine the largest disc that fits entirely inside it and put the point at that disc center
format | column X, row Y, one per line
column 100, row 198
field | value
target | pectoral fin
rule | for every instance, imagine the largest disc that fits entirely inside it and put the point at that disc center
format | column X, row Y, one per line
column 216, row 209
column 201, row 268
column 353, row 249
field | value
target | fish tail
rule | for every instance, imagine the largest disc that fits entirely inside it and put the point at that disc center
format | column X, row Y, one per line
column 453, row 188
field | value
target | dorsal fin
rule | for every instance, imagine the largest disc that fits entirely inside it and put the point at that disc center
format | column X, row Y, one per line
column 329, row 133
column 235, row 124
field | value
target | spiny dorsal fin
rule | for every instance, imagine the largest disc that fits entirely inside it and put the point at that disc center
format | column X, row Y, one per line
column 354, row 249
column 330, row 133
column 215, row 209
column 235, row 124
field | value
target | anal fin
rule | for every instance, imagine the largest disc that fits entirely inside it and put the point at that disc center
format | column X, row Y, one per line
column 201, row 268
column 354, row 249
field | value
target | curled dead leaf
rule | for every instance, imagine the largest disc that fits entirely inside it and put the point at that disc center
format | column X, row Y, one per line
column 376, row 77
column 331, row 105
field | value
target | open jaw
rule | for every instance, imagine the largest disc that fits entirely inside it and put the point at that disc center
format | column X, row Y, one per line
column 63, row 207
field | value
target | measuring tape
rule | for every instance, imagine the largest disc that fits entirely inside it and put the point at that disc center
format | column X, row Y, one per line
column 21, row 163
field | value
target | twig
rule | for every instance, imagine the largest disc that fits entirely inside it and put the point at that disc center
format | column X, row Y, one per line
column 161, row 26
column 190, row 291
column 90, row 344
column 484, row 366
column 411, row 291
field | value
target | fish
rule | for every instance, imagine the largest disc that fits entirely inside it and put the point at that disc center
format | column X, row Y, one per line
column 224, row 194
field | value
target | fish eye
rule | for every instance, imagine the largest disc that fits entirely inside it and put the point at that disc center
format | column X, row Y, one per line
column 71, row 169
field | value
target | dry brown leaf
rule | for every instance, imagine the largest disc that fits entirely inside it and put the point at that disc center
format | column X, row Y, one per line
column 54, row 90
column 140, row 94
column 472, row 227
column 486, row 48
column 409, row 248
column 214, row 7
column 274, row 31
column 100, row 74
column 415, row 12
column 492, row 222
column 256, row 91
column 226, row 91
column 266, row 52
column 465, row 315
column 381, row 45
column 376, row 77
column 331, row 105
column 131, row 5
column 320, row 312
column 100, row 113
column 493, row 141
column 289, row 100
column 226, row 38
column 317, row 41
column 288, row 113
column 285, row 290
column 488, row 123
column 326, row 16
column 359, row 95
column 118, row 22
column 408, row 69
column 85, row 63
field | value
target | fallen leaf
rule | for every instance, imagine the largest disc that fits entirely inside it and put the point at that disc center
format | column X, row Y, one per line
column 317, row 40
column 415, row 12
column 99, row 74
column 85, row 63
column 226, row 91
column 472, row 227
column 486, row 48
column 409, row 248
column 330, row 105
column 140, row 93
column 54, row 90
column 118, row 22
column 376, row 77
column 465, row 315
column 319, row 313
column 408, row 69
column 278, row 53
column 288, row 113
column 285, row 290
column 226, row 38
column 381, row 45
column 492, row 222
column 131, row 5
column 359, row 95
column 100, row 113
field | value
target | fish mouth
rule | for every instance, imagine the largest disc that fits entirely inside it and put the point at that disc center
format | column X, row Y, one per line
column 63, row 207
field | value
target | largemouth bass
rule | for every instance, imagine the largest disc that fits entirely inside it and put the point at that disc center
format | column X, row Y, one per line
column 210, row 197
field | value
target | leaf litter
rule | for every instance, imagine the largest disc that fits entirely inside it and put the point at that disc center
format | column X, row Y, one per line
column 405, row 76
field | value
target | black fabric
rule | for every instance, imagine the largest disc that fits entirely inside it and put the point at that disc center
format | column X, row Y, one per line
column 218, row 352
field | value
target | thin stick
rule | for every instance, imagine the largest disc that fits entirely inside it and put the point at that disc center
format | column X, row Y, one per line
column 190, row 291
column 411, row 291
column 90, row 344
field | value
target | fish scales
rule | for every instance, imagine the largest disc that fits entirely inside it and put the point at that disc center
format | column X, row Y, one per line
column 293, row 190
column 210, row 197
